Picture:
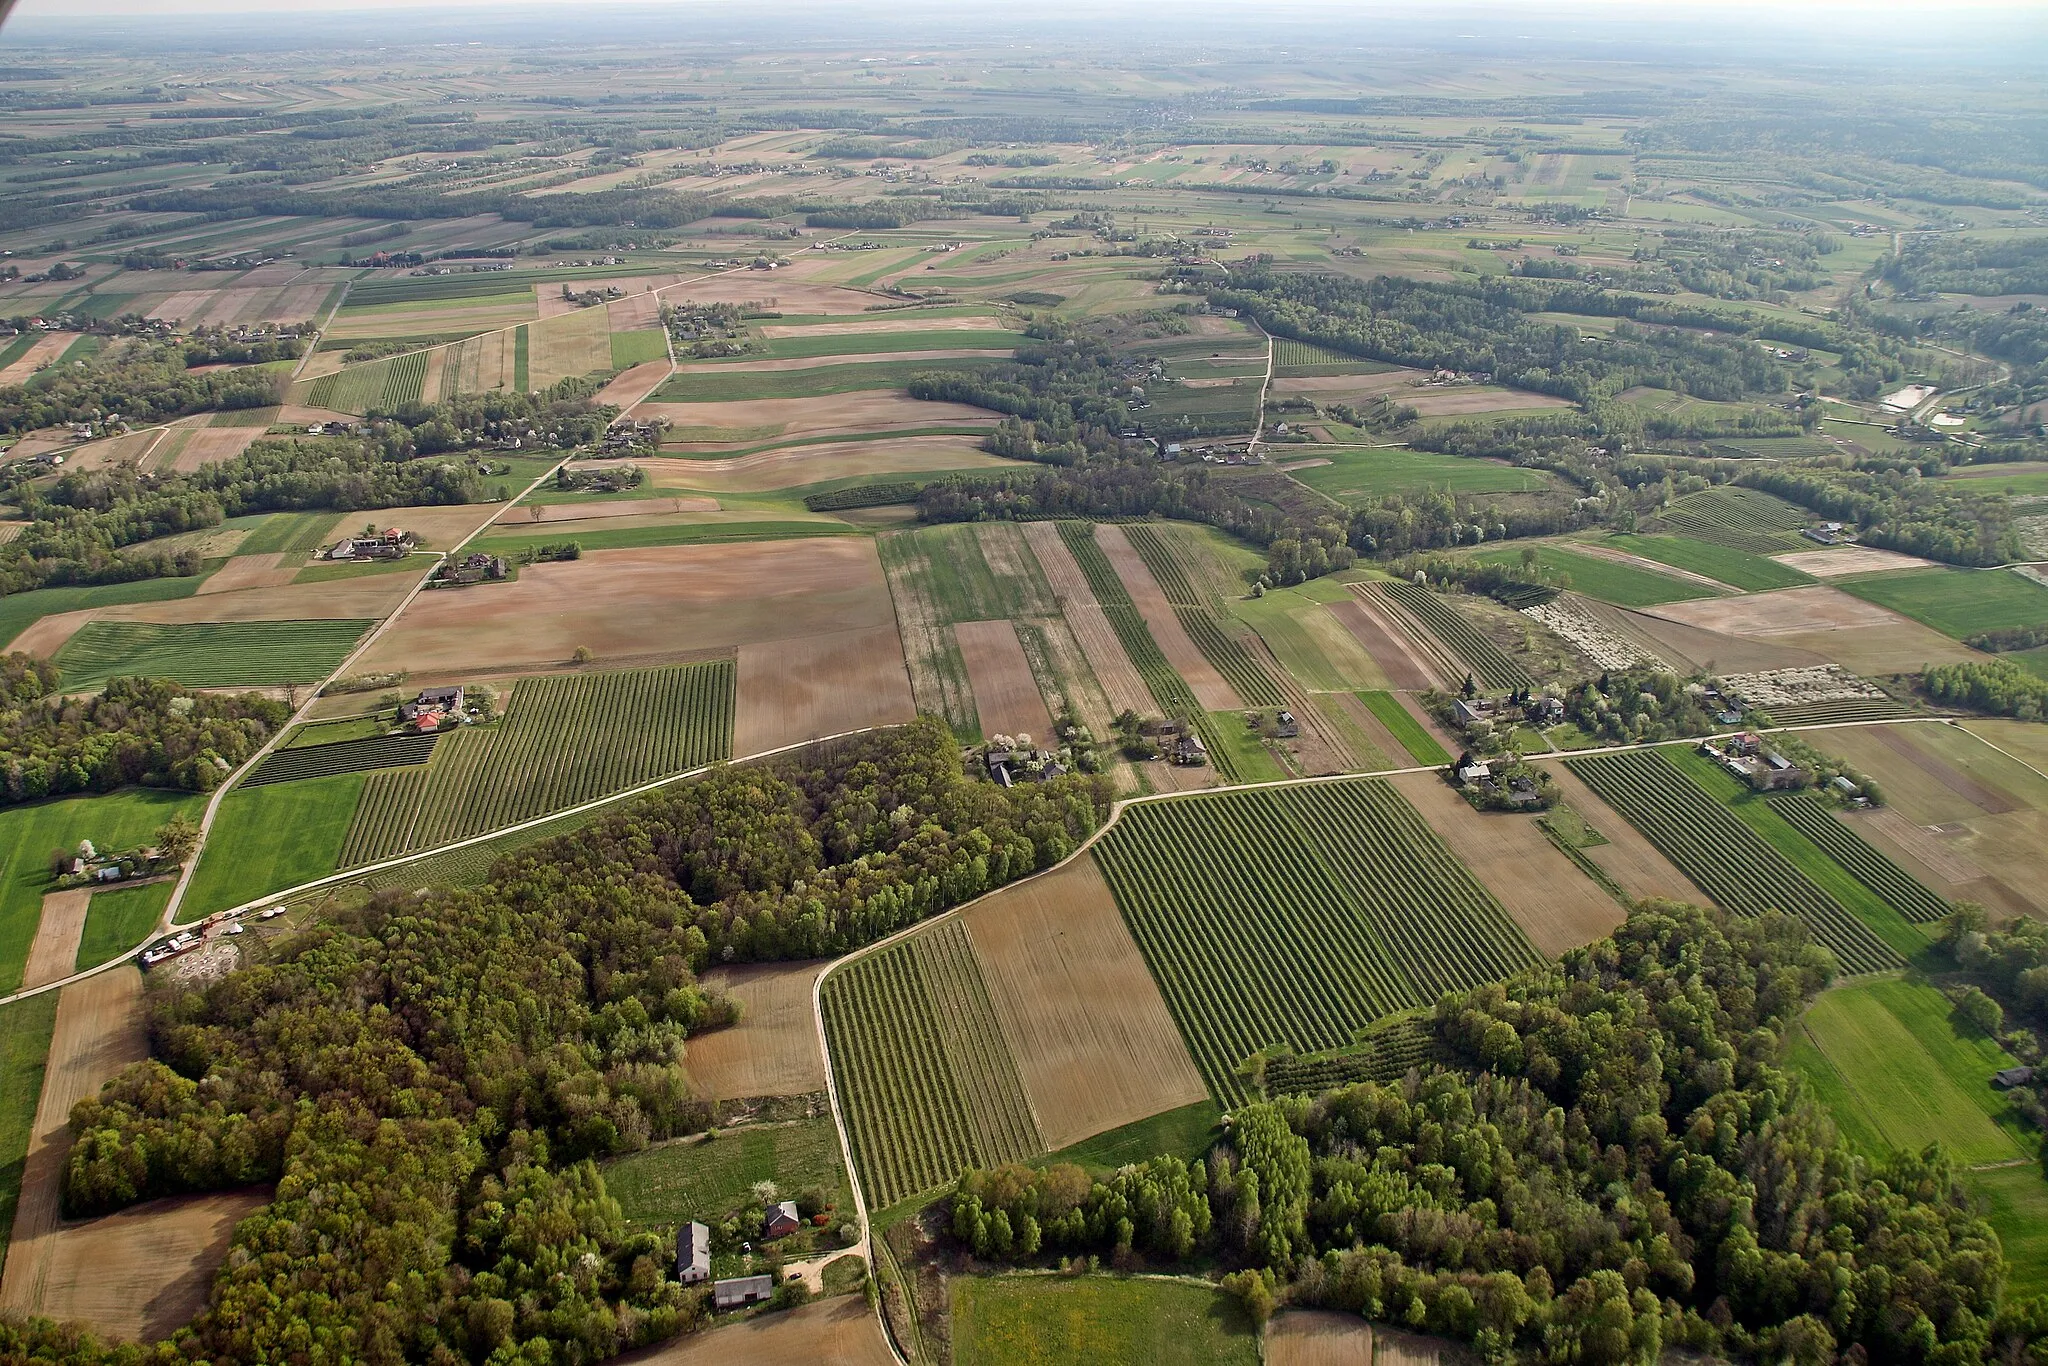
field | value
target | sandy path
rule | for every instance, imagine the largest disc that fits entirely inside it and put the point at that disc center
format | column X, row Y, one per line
column 1210, row 688
column 99, row 1031
column 55, row 950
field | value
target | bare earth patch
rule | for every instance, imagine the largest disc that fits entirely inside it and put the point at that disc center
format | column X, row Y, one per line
column 1371, row 622
column 1836, row 561
column 250, row 571
column 773, row 1050
column 649, row 601
column 1209, row 686
column 1453, row 401
column 841, row 1331
column 1860, row 636
column 344, row 599
column 813, row 362
column 792, row 466
column 1627, row 857
column 807, row 687
column 55, row 950
column 439, row 528
column 1094, row 1044
column 1318, row 1337
column 1556, row 905
column 1005, row 694
column 47, row 636
column 631, row 386
column 882, row 325
column 144, row 1272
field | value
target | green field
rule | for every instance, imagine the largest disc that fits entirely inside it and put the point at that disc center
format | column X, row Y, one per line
column 1736, row 568
column 1422, row 747
column 881, row 343
column 2015, row 1201
column 212, row 654
column 1188, row 1133
column 1044, row 1320
column 670, row 533
column 926, row 1078
column 268, row 838
column 1292, row 357
column 30, row 834
column 1624, row 585
column 120, row 919
column 707, row 1178
column 25, row 1029
column 565, row 739
column 1811, row 818
column 522, row 358
column 1728, row 859
column 1491, row 667
column 1297, row 916
column 302, row 532
column 1900, row 1071
column 1956, row 602
column 713, row 385
column 1356, row 477
column 633, row 348
column 19, row 611
column 1245, row 754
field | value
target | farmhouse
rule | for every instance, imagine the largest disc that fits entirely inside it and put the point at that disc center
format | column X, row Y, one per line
column 740, row 1291
column 782, row 1219
column 432, row 702
column 1765, row 770
column 471, row 568
column 388, row 544
column 2011, row 1077
column 693, row 1253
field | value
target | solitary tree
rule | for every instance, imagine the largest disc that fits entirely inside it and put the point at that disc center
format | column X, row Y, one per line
column 176, row 838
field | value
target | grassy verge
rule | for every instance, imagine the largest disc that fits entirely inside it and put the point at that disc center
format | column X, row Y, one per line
column 1249, row 759
column 25, row 1029
column 1103, row 1320
column 1422, row 747
column 119, row 920
column 268, row 838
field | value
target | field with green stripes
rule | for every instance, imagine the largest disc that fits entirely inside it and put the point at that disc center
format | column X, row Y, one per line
column 565, row 739
column 1294, row 917
column 211, row 654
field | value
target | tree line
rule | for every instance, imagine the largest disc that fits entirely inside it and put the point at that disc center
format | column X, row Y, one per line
column 147, row 731
column 143, row 382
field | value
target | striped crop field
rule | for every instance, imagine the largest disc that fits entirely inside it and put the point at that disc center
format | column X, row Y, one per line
column 1169, row 690
column 1838, row 709
column 208, row 654
column 1811, row 818
column 343, row 756
column 1727, row 859
column 1298, row 916
column 1492, row 668
column 1739, row 518
column 1244, row 670
column 383, row 385
column 565, row 739
column 926, row 1077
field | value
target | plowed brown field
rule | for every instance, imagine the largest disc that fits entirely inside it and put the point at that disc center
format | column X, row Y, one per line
column 1005, row 694
column 1094, row 1044
column 773, row 1050
column 55, row 950
column 805, row 687
column 840, row 1331
column 1318, row 1337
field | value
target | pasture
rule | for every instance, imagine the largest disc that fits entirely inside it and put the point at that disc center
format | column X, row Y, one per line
column 208, row 654
column 120, row 919
column 1103, row 1320
column 29, row 833
column 1738, row 867
column 926, row 1079
column 565, row 739
column 1296, row 916
column 704, row 1178
column 1956, row 602
column 1736, row 568
column 272, row 836
column 1901, row 1070
column 24, row 1044
column 1624, row 585
column 1740, row 519
column 1422, row 747
column 1355, row 477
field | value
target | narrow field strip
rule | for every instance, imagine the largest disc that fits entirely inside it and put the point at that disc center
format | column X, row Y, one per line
column 343, row 756
column 1492, row 668
column 1729, row 861
column 210, row 654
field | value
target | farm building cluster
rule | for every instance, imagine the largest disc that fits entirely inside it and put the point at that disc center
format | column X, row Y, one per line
column 89, row 866
column 1764, row 769
column 391, row 543
column 435, row 709
column 1013, row 759
column 474, row 567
